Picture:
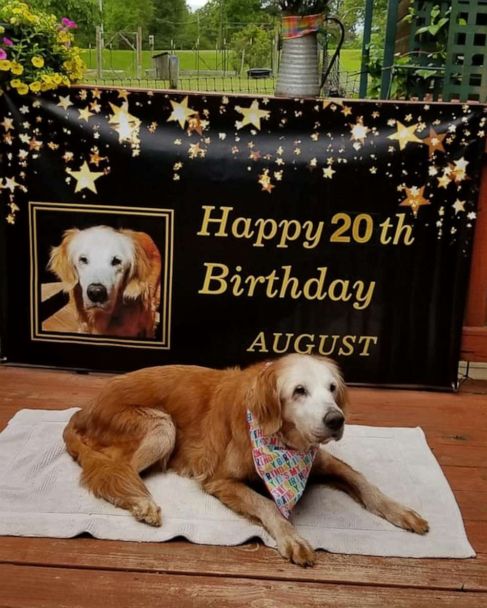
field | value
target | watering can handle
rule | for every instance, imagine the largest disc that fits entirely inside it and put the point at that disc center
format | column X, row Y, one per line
column 337, row 51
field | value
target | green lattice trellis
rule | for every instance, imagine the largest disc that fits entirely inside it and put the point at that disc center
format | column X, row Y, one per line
column 466, row 62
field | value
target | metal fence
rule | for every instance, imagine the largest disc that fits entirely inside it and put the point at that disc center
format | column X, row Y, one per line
column 349, row 83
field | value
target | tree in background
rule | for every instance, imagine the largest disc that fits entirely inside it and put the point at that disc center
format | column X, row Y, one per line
column 252, row 48
column 120, row 15
column 169, row 23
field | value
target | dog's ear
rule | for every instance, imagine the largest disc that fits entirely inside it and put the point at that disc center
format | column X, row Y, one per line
column 60, row 264
column 264, row 401
column 138, row 278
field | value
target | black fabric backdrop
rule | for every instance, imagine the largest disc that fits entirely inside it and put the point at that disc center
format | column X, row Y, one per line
column 381, row 194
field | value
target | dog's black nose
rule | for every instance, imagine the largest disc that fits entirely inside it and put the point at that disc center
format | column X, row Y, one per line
column 334, row 420
column 97, row 293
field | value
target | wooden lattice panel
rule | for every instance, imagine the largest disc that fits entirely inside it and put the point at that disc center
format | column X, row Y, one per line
column 466, row 63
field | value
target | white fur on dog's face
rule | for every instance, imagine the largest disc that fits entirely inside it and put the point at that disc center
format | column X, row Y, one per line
column 102, row 257
column 309, row 389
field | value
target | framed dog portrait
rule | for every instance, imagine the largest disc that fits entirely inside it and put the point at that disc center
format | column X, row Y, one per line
column 101, row 275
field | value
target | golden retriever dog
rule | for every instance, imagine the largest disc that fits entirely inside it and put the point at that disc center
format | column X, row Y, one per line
column 113, row 278
column 193, row 420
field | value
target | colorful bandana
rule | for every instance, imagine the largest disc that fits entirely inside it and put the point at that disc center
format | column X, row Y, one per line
column 297, row 26
column 284, row 470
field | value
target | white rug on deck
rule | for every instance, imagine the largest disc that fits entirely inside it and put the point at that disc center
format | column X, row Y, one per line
column 40, row 495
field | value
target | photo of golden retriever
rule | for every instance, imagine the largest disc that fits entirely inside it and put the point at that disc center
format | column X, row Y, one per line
column 193, row 420
column 112, row 278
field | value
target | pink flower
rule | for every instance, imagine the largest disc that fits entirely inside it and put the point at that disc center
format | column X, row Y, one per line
column 8, row 42
column 3, row 54
column 68, row 24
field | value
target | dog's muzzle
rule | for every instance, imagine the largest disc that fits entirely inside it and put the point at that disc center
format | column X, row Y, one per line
column 334, row 420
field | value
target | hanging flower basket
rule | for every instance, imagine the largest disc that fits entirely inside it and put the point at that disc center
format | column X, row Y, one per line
column 36, row 49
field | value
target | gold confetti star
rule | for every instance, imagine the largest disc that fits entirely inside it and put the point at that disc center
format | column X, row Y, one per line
column 7, row 124
column 435, row 142
column 85, row 113
column 265, row 181
column 85, row 178
column 443, row 181
column 415, row 199
column 95, row 158
column 180, row 112
column 346, row 110
column 11, row 184
column 359, row 130
column 459, row 206
column 405, row 135
column 328, row 172
column 96, row 93
column 329, row 103
column 64, row 102
column 251, row 115
column 459, row 170
column 125, row 124
column 95, row 106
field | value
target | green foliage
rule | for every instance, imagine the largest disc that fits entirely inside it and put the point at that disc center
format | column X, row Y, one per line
column 415, row 73
column 84, row 12
column 252, row 48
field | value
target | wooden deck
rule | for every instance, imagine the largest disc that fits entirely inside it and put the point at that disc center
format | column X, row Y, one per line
column 38, row 572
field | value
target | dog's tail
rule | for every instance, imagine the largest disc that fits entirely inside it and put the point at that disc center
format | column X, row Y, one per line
column 106, row 473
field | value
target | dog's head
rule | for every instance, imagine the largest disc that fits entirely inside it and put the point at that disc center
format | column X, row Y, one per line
column 303, row 397
column 104, row 262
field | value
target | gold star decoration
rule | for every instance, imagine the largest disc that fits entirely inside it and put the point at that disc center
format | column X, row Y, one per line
column 85, row 113
column 265, row 181
column 95, row 158
column 65, row 102
column 415, row 199
column 443, row 181
column 95, row 107
column 180, row 112
column 125, row 124
column 328, row 172
column 195, row 124
column 458, row 170
column 85, row 178
column 459, row 206
column 435, row 142
column 7, row 124
column 329, row 103
column 346, row 110
column 405, row 135
column 251, row 115
column 195, row 151
column 359, row 130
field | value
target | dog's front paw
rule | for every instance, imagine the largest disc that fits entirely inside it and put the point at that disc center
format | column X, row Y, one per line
column 296, row 550
column 146, row 510
column 412, row 521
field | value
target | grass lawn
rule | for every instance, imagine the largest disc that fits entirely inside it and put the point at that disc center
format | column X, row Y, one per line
column 120, row 70
column 116, row 61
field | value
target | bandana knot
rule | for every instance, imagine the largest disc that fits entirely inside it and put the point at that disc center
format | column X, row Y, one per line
column 284, row 470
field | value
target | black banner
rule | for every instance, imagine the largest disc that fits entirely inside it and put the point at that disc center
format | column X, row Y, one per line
column 142, row 228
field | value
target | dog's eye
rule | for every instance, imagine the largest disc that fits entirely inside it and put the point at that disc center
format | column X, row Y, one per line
column 300, row 391
column 83, row 259
column 333, row 387
column 116, row 261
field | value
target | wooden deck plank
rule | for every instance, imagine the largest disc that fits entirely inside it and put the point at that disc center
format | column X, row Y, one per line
column 31, row 587
column 252, row 560
column 456, row 429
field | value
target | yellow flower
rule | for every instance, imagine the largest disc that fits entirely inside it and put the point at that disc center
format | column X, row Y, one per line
column 23, row 89
column 37, row 61
column 15, row 83
column 35, row 86
column 16, row 68
column 5, row 65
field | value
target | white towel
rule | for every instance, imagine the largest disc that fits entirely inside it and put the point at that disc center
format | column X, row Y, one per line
column 40, row 495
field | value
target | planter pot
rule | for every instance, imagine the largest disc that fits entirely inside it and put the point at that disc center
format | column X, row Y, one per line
column 298, row 70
